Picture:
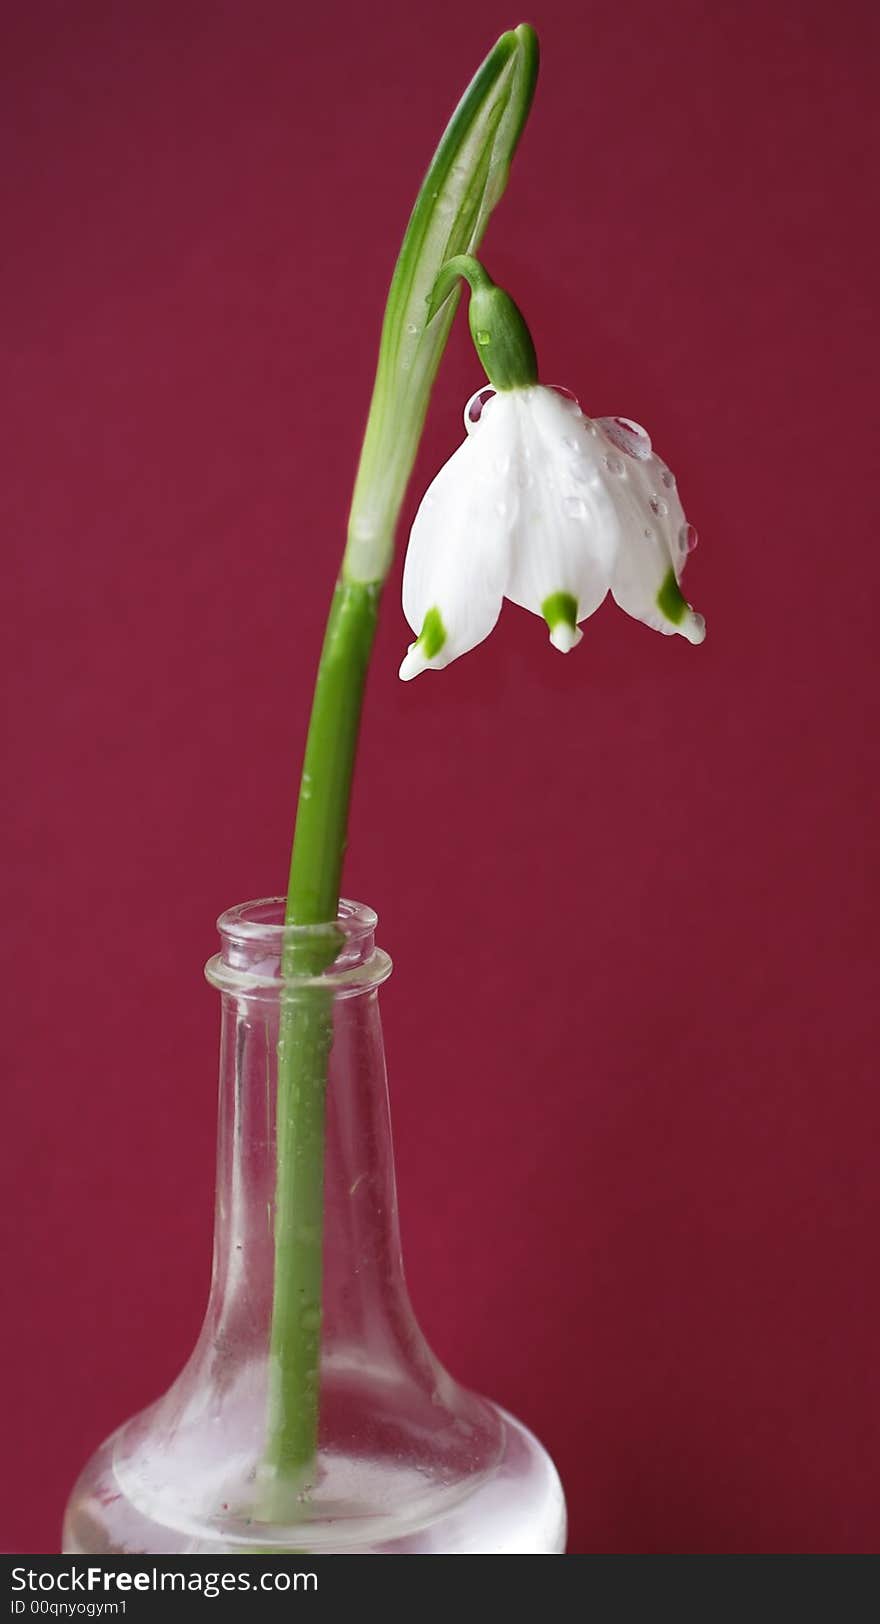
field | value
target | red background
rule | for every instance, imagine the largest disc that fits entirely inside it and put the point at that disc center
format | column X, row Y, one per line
column 630, row 1031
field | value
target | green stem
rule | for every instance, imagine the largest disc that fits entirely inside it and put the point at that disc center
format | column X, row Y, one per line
column 306, row 1033
column 305, row 1036
column 325, row 790
column 464, row 182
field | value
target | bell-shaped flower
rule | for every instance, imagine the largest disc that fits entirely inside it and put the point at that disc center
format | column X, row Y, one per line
column 550, row 509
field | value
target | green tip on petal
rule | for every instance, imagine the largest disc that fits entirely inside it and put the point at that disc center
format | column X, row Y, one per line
column 560, row 613
column 433, row 634
column 674, row 607
column 670, row 600
column 429, row 643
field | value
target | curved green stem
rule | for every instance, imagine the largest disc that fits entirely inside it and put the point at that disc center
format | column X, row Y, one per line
column 466, row 178
column 502, row 339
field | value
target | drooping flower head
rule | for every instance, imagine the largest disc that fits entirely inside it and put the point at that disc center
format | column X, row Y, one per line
column 541, row 505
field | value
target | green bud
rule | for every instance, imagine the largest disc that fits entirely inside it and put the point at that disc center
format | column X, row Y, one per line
column 502, row 339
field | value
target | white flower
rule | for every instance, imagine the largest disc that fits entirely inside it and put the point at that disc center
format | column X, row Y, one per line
column 552, row 510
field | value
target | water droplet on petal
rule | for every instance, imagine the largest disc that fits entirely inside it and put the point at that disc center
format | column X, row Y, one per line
column 614, row 464
column 658, row 506
column 687, row 538
column 627, row 436
column 476, row 407
column 483, row 338
column 411, row 327
column 572, row 445
column 565, row 393
column 576, row 506
column 667, row 477
column 648, row 534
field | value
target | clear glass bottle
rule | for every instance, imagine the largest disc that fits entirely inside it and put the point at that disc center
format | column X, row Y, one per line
column 407, row 1461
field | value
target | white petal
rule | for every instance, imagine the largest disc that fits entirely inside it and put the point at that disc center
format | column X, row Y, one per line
column 565, row 539
column 565, row 637
column 458, row 557
column 412, row 663
column 653, row 533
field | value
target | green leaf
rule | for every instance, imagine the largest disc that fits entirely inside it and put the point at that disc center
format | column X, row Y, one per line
column 465, row 181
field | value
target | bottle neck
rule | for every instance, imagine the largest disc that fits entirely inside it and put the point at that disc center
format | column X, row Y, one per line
column 365, row 1311
column 259, row 954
